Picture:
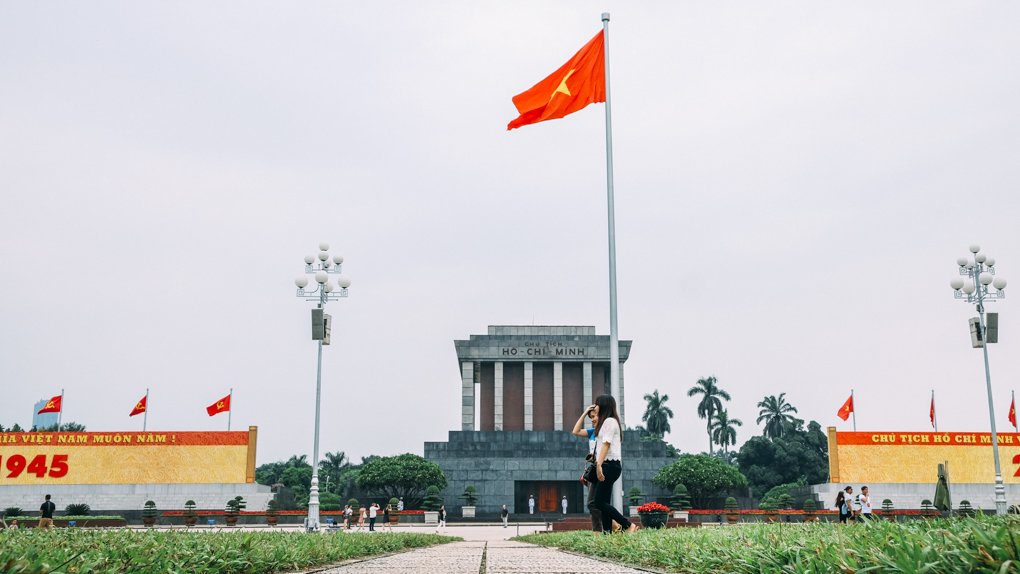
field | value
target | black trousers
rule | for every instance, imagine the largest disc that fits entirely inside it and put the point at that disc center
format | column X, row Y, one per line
column 371, row 524
column 611, row 470
column 596, row 514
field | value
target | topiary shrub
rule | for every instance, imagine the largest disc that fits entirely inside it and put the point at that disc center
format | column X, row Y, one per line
column 470, row 495
column 77, row 509
column 926, row 504
column 13, row 511
column 432, row 500
column 809, row 505
column 730, row 504
column 149, row 513
column 887, row 505
column 634, row 495
column 355, row 505
column 681, row 498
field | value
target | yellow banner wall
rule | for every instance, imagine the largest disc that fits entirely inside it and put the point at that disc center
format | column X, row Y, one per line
column 127, row 457
column 872, row 457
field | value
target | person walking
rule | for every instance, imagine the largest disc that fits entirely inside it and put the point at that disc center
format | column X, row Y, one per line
column 46, row 513
column 386, row 518
column 373, row 511
column 609, row 463
column 844, row 505
column 442, row 518
column 361, row 517
column 347, row 517
column 864, row 500
column 593, row 447
column 504, row 513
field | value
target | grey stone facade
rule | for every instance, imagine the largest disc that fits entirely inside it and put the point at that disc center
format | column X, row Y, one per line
column 499, row 464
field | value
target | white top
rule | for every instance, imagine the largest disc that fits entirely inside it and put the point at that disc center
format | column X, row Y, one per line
column 610, row 434
column 865, row 502
column 372, row 512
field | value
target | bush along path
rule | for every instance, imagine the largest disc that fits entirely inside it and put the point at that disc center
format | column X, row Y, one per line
column 73, row 551
column 983, row 544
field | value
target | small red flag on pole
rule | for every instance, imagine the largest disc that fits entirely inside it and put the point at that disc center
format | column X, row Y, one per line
column 140, row 406
column 219, row 406
column 1012, row 412
column 53, row 405
column 846, row 409
column 931, row 412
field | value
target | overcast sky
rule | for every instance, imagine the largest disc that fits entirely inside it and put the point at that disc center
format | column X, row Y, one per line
column 794, row 182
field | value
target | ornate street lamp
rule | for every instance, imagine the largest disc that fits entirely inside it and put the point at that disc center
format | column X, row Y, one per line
column 325, row 290
column 972, row 286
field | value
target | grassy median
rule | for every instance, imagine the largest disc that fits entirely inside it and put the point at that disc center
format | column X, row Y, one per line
column 72, row 550
column 983, row 544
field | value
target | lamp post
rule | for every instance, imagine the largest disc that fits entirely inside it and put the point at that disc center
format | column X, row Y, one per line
column 320, row 267
column 980, row 273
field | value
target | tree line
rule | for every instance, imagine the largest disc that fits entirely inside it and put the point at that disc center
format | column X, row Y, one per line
column 787, row 453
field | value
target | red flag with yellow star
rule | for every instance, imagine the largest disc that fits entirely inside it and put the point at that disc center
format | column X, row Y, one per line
column 52, row 405
column 140, row 406
column 219, row 406
column 1012, row 413
column 579, row 82
column 846, row 409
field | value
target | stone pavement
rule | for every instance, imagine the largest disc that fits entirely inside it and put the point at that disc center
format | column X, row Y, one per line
column 487, row 549
column 482, row 557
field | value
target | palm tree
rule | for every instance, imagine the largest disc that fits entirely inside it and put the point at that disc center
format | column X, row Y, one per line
column 724, row 431
column 710, row 403
column 657, row 414
column 775, row 412
column 331, row 465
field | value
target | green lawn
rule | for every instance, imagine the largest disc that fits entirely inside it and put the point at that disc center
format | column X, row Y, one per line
column 984, row 544
column 71, row 550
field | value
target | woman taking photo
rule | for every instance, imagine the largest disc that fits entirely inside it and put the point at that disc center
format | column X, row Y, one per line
column 589, row 433
column 609, row 463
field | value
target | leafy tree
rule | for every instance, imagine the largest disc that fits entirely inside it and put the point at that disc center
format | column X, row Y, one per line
column 657, row 414
column 780, row 496
column 330, row 501
column 405, row 476
column 800, row 455
column 775, row 412
column 705, row 476
column 15, row 428
column 710, row 402
column 724, row 431
column 63, row 427
column 331, row 469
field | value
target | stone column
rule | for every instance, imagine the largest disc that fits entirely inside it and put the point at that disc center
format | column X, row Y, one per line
column 529, row 397
column 467, row 394
column 586, row 375
column 558, row 395
column 498, row 391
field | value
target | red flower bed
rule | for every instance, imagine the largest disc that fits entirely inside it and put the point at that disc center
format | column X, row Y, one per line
column 422, row 512
column 652, row 507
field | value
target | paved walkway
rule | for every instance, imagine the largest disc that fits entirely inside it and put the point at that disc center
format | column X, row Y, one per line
column 482, row 557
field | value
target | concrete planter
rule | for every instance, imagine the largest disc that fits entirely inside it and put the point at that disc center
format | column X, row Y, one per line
column 431, row 517
column 468, row 511
column 681, row 514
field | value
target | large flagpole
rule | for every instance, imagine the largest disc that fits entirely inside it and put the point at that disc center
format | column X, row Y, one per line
column 614, row 346
column 230, row 411
column 1013, row 404
column 60, row 413
column 145, row 415
column 934, row 412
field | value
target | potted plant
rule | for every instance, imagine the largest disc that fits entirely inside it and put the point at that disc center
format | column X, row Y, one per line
column 272, row 512
column 234, row 507
column 653, row 515
column 431, row 504
column 394, row 514
column 190, row 516
column 809, row 510
column 770, row 507
column 470, row 497
column 965, row 509
column 149, row 513
column 887, row 509
column 730, row 507
column 681, row 503
column 634, row 495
